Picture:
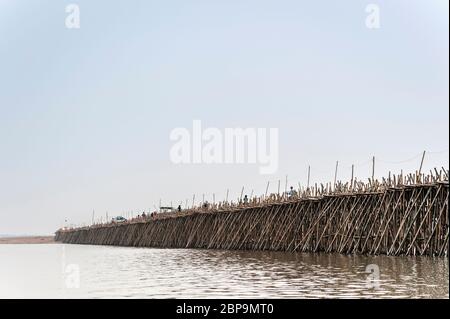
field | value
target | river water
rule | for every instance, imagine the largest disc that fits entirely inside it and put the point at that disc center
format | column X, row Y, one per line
column 77, row 271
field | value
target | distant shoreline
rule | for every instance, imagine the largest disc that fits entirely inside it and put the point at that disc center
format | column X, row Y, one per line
column 28, row 240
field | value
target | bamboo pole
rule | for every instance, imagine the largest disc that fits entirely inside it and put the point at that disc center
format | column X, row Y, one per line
column 267, row 189
column 309, row 175
column 373, row 169
column 420, row 168
column 351, row 180
column 421, row 162
column 335, row 174
column 286, row 185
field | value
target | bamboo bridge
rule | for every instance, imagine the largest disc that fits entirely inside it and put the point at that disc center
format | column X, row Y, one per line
column 399, row 215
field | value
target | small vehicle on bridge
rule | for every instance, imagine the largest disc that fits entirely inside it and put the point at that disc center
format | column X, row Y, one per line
column 119, row 219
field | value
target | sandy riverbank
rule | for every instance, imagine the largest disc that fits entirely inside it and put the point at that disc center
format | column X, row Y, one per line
column 28, row 240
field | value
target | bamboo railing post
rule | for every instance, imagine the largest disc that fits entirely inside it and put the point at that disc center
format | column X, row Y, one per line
column 373, row 169
column 286, row 186
column 335, row 175
column 351, row 180
column 309, row 175
column 421, row 165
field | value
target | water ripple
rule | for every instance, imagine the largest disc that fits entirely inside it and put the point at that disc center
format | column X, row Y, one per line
column 118, row 272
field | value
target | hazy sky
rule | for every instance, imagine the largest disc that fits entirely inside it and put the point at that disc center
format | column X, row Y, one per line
column 85, row 114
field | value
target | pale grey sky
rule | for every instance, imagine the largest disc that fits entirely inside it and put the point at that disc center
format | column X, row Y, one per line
column 85, row 114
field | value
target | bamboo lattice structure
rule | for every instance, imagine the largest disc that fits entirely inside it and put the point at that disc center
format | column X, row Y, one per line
column 399, row 215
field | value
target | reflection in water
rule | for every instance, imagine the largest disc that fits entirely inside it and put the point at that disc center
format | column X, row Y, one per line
column 42, row 271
